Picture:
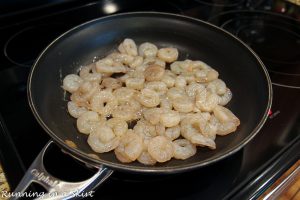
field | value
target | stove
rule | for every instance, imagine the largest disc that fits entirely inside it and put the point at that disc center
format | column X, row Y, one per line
column 270, row 28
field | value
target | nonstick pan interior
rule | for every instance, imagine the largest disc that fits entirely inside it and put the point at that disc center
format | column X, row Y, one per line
column 238, row 66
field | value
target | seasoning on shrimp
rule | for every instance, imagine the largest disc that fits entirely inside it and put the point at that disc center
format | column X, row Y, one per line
column 157, row 109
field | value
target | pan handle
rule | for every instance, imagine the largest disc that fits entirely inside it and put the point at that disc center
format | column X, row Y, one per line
column 56, row 188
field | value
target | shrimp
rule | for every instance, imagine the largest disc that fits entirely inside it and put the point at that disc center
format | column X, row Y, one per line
column 206, row 101
column 119, row 126
column 157, row 86
column 168, row 54
column 111, row 83
column 176, row 93
column 110, row 69
column 124, row 94
column 71, row 83
column 180, row 67
column 193, row 88
column 226, row 128
column 225, row 115
column 152, row 114
column 121, row 58
column 147, row 49
column 153, row 61
column 137, row 61
column 161, row 148
column 85, row 73
column 190, row 130
column 154, row 73
column 123, row 112
column 85, row 93
column 169, row 78
column 180, row 82
column 148, row 98
column 135, row 83
column 165, row 103
column 75, row 110
column 128, row 47
column 216, row 86
column 172, row 132
column 87, row 122
column 183, row 104
column 206, row 75
column 144, row 129
column 131, row 146
column 183, row 149
column 170, row 118
column 104, row 102
column 225, row 98
column 160, row 129
column 103, row 139
column 146, row 159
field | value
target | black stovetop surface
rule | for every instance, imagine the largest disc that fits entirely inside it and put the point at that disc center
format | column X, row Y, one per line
column 274, row 36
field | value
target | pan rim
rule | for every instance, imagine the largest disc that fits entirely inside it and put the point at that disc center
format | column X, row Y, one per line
column 78, row 154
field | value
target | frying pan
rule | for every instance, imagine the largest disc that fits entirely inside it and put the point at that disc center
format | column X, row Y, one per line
column 237, row 64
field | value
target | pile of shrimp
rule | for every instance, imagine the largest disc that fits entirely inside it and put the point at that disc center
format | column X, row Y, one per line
column 144, row 105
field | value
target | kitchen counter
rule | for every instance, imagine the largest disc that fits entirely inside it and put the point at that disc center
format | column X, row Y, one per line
column 3, row 183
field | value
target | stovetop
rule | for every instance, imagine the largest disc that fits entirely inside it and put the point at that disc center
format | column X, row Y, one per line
column 271, row 28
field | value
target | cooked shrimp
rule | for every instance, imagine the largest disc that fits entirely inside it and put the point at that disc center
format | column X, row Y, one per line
column 71, row 82
column 123, row 112
column 179, row 67
column 137, row 61
column 147, row 49
column 206, row 75
column 85, row 73
column 128, row 46
column 148, row 98
column 225, row 98
column 131, row 146
column 153, row 61
column 154, row 73
column 145, row 129
column 160, row 148
column 135, row 83
column 157, row 86
column 103, row 102
column 217, row 86
column 206, row 101
column 87, row 122
column 168, row 54
column 225, row 115
column 111, row 83
column 169, row 78
column 176, row 93
column 152, row 115
column 183, row 149
column 193, row 88
column 165, row 103
column 111, row 69
column 103, row 139
column 180, row 82
column 170, row 118
column 183, row 104
column 190, row 130
column 172, row 132
column 160, row 129
column 121, row 58
column 124, row 94
column 119, row 126
column 75, row 110
column 84, row 93
column 146, row 159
